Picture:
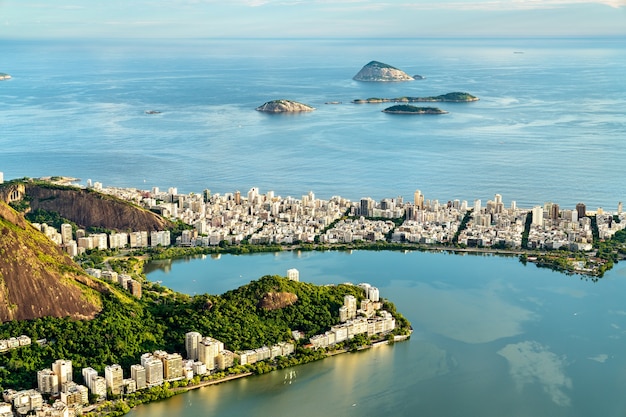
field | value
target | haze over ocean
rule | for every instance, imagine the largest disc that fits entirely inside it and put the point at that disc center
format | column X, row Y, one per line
column 550, row 124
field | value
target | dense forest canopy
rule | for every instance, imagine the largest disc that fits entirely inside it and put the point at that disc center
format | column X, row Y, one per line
column 128, row 327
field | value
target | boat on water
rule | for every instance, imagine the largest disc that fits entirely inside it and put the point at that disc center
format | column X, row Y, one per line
column 152, row 112
column 289, row 377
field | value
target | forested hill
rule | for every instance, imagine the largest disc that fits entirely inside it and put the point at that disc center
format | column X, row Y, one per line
column 262, row 312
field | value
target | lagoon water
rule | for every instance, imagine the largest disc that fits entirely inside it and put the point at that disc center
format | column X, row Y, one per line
column 492, row 337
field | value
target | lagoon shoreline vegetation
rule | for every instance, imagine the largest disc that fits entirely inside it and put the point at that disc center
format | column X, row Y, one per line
column 127, row 327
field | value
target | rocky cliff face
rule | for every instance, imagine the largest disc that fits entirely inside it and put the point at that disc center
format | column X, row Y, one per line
column 377, row 71
column 278, row 106
column 37, row 279
column 276, row 300
column 88, row 208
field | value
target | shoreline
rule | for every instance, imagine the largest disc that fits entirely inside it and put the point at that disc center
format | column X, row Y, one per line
column 228, row 378
column 202, row 384
column 523, row 255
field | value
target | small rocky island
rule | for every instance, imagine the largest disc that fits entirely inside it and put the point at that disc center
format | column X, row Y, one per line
column 408, row 109
column 4, row 76
column 456, row 97
column 284, row 106
column 380, row 72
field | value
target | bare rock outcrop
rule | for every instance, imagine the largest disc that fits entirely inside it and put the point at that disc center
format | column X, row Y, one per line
column 277, row 300
column 380, row 72
column 37, row 279
column 89, row 208
column 280, row 106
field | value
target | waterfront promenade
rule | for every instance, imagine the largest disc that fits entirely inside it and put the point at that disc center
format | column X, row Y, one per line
column 207, row 383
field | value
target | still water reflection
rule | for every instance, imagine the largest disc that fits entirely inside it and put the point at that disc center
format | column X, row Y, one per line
column 492, row 337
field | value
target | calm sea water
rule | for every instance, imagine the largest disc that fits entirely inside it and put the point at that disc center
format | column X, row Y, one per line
column 550, row 125
column 492, row 338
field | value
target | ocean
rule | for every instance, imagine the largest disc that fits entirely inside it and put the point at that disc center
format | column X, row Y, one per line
column 550, row 124
column 492, row 337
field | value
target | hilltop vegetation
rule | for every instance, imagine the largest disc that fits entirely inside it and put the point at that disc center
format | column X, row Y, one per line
column 455, row 97
column 408, row 109
column 128, row 327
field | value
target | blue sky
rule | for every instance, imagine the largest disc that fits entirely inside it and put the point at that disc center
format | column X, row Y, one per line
column 309, row 18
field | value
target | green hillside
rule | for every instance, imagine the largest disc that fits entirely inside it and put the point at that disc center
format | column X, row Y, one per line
column 128, row 327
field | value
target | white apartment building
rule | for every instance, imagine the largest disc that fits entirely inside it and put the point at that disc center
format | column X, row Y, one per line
column 114, row 376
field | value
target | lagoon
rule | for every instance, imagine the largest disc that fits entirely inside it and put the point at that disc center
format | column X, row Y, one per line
column 492, row 337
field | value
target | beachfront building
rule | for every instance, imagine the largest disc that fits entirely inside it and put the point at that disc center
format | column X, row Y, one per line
column 192, row 340
column 154, row 369
column 138, row 374
column 208, row 349
column 371, row 321
column 172, row 366
column 114, row 376
column 248, row 357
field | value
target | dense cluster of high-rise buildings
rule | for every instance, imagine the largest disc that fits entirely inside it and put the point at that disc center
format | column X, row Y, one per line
column 269, row 219
column 369, row 320
column 79, row 241
column 264, row 218
column 205, row 355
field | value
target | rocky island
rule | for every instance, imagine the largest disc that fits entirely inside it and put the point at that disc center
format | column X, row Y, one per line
column 455, row 97
column 284, row 106
column 407, row 109
column 4, row 76
column 380, row 72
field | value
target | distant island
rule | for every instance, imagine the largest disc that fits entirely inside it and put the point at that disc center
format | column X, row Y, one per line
column 455, row 97
column 4, row 76
column 282, row 106
column 381, row 72
column 407, row 109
